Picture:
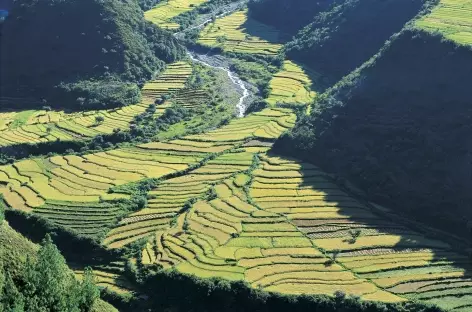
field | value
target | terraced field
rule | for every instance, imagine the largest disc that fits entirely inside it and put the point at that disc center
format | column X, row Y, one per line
column 10, row 120
column 170, row 197
column 190, row 98
column 227, row 236
column 165, row 11
column 393, row 257
column 42, row 126
column 285, row 226
column 225, row 205
column 110, row 277
column 291, row 85
column 70, row 190
column 452, row 18
column 239, row 33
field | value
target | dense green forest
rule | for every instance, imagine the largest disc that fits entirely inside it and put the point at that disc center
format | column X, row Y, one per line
column 346, row 35
column 287, row 15
column 335, row 37
column 33, row 279
column 81, row 54
column 399, row 128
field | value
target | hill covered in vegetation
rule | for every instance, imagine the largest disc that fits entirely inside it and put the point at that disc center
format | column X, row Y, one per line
column 81, row 54
column 36, row 278
column 287, row 15
column 347, row 34
column 334, row 37
column 399, row 126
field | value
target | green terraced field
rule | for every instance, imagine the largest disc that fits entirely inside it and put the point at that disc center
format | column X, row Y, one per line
column 451, row 18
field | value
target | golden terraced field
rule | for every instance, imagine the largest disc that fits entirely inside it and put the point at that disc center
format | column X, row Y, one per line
column 73, row 190
column 278, row 225
column 291, row 85
column 43, row 126
column 163, row 13
column 239, row 33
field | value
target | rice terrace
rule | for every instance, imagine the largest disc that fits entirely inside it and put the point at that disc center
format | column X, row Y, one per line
column 160, row 197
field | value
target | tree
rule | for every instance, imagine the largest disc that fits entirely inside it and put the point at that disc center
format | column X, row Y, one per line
column 335, row 254
column 49, row 284
column 354, row 235
column 221, row 39
column 89, row 292
column 99, row 119
column 11, row 299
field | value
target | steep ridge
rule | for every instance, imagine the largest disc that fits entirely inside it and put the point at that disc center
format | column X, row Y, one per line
column 285, row 15
column 348, row 33
column 15, row 252
column 79, row 63
column 399, row 126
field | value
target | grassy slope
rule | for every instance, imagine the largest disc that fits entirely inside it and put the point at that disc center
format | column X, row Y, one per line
column 16, row 248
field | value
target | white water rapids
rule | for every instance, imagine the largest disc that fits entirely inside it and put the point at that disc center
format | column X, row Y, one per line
column 232, row 76
column 200, row 58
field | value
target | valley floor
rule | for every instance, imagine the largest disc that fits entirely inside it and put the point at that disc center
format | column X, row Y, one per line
column 225, row 205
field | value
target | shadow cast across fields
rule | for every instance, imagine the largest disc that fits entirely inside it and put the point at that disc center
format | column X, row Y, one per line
column 405, row 258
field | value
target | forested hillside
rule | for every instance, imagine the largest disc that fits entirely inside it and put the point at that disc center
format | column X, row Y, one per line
column 334, row 37
column 287, row 15
column 81, row 54
column 36, row 278
column 349, row 33
column 399, row 127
